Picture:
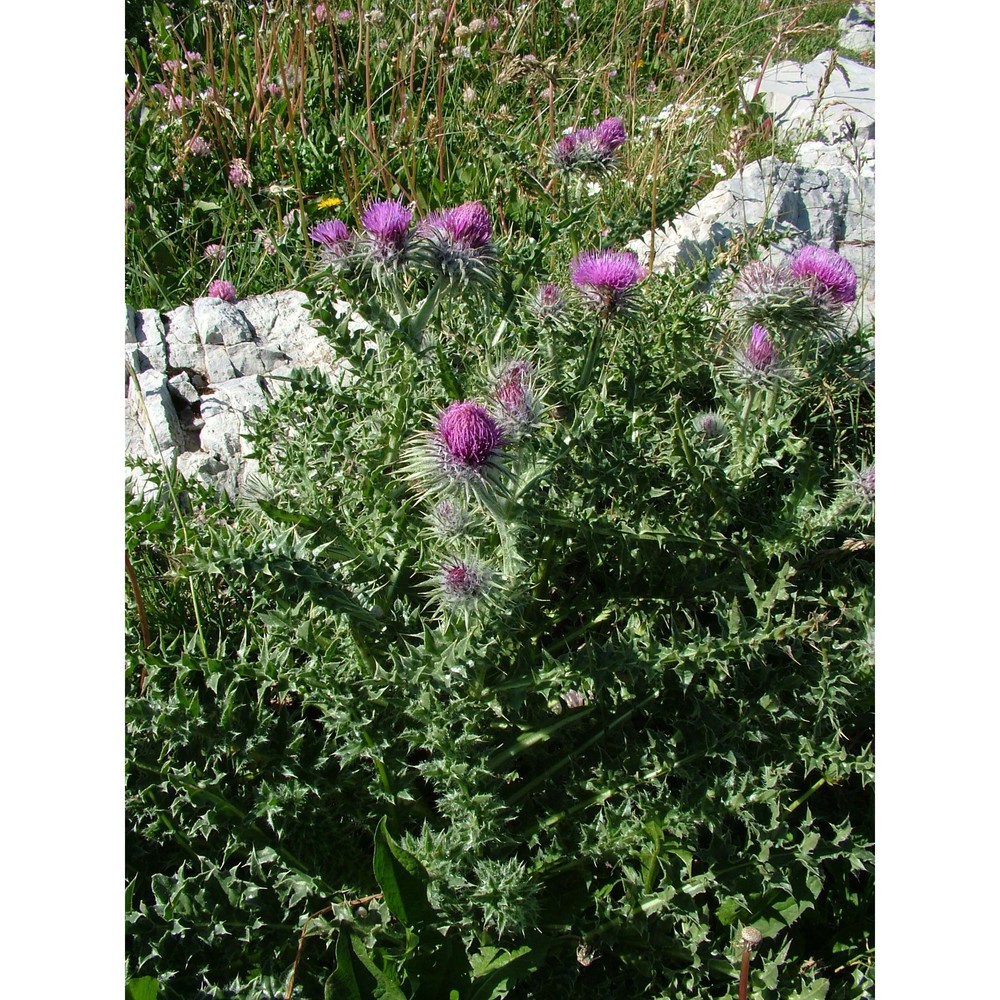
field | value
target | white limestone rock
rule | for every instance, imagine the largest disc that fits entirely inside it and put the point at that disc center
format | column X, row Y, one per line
column 184, row 346
column 150, row 340
column 220, row 322
column 154, row 424
column 802, row 106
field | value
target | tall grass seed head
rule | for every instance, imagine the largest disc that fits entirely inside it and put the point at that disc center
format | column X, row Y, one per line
column 832, row 275
column 606, row 280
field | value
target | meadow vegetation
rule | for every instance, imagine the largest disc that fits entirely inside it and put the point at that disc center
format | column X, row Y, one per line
column 538, row 661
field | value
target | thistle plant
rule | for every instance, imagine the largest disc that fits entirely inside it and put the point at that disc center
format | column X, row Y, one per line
column 590, row 149
column 533, row 618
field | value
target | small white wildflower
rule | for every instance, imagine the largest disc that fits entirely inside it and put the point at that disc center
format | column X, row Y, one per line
column 718, row 169
column 593, row 188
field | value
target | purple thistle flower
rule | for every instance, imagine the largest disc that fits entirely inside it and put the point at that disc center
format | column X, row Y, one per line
column 834, row 277
column 345, row 15
column 387, row 224
column 610, row 133
column 239, row 174
column 464, row 450
column 864, row 484
column 456, row 243
column 513, row 393
column 334, row 239
column 760, row 353
column 590, row 148
column 463, row 583
column 321, row 13
column 449, row 519
column 224, row 290
column 573, row 699
column 711, row 426
column 606, row 278
column 471, row 437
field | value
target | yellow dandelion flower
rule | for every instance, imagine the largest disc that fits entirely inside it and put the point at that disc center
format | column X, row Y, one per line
column 331, row 202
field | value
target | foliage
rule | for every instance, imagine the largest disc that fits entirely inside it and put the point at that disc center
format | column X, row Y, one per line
column 656, row 731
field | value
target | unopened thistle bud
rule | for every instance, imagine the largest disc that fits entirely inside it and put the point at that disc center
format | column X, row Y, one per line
column 757, row 363
column 711, row 427
column 548, row 302
column 515, row 399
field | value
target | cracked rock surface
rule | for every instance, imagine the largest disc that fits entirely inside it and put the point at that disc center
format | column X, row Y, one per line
column 201, row 369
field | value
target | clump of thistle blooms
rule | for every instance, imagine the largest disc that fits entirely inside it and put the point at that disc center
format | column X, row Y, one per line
column 334, row 239
column 464, row 452
column 590, row 148
column 457, row 244
column 515, row 399
column 758, row 362
column 224, row 290
column 606, row 280
column 771, row 295
column 831, row 276
column 384, row 243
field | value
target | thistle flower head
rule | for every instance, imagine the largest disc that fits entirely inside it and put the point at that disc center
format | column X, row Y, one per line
column 833, row 276
column 464, row 585
column 548, row 302
column 758, row 362
column 775, row 297
column 610, row 134
column 465, row 451
column 710, row 426
column 224, row 290
column 457, row 244
column 515, row 399
column 606, row 278
column 590, row 148
column 450, row 519
column 469, row 434
column 385, row 240
column 864, row 484
column 334, row 240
